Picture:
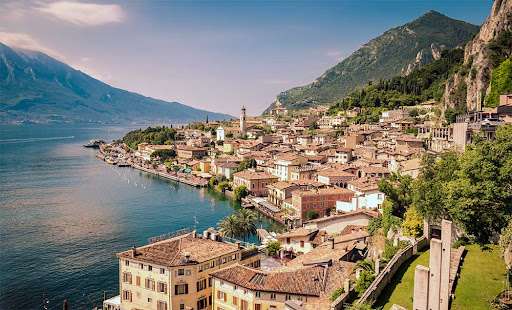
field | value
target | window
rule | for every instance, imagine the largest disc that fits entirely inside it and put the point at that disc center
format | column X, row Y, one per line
column 127, row 277
column 127, row 263
column 137, row 280
column 201, row 285
column 258, row 294
column 222, row 296
column 127, row 295
column 161, row 305
column 224, row 260
column 162, row 271
column 162, row 287
column 150, row 268
column 272, row 295
column 181, row 289
column 188, row 272
column 181, row 272
column 257, row 307
column 202, row 303
column 182, row 306
column 209, row 282
column 141, row 266
column 150, row 284
column 150, row 300
column 200, row 268
column 301, row 244
column 287, row 240
column 235, row 301
column 212, row 264
column 288, row 297
column 244, row 305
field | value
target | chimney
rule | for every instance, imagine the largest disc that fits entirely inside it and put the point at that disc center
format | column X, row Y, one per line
column 187, row 257
column 239, row 245
column 194, row 235
column 133, row 251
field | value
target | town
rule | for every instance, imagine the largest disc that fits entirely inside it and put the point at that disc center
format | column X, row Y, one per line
column 322, row 178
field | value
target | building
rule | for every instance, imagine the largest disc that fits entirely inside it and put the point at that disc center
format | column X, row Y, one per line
column 278, row 192
column 298, row 241
column 336, row 224
column 243, row 124
column 366, row 196
column 335, row 177
column 220, row 134
column 308, row 286
column 145, row 150
column 305, row 172
column 173, row 273
column 318, row 202
column 284, row 164
column 257, row 182
column 190, row 152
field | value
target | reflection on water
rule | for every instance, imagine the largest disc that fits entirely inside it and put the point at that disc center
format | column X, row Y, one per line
column 64, row 214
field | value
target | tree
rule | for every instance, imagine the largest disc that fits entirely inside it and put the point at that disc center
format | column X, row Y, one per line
column 413, row 223
column 247, row 222
column 272, row 248
column 241, row 192
column 337, row 293
column 473, row 189
column 312, row 214
column 229, row 226
column 223, row 186
column 398, row 192
column 163, row 155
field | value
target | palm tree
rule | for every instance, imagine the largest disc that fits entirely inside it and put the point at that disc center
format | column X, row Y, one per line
column 229, row 226
column 247, row 222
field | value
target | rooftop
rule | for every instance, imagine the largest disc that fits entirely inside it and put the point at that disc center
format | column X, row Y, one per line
column 254, row 175
column 180, row 251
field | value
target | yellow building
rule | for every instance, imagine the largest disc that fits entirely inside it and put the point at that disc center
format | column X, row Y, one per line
column 174, row 274
column 309, row 286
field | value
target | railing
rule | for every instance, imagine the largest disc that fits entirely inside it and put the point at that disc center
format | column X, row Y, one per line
column 176, row 233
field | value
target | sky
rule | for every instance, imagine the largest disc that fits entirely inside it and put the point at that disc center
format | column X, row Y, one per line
column 213, row 55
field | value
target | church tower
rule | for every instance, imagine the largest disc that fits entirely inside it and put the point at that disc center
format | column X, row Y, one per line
column 242, row 121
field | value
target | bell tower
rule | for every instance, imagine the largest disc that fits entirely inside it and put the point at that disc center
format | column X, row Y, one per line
column 242, row 122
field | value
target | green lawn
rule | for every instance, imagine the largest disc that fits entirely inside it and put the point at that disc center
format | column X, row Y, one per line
column 482, row 278
column 400, row 290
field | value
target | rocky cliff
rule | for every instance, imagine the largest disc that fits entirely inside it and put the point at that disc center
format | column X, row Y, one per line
column 470, row 84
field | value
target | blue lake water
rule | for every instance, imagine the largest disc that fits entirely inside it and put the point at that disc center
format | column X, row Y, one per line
column 64, row 214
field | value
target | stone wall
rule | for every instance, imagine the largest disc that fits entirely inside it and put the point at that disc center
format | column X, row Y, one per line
column 386, row 275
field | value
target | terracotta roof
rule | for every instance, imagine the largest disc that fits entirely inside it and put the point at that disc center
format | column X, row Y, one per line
column 331, row 172
column 348, row 214
column 173, row 252
column 322, row 191
column 299, row 232
column 364, row 184
column 305, row 280
column 254, row 175
column 373, row 169
column 281, row 185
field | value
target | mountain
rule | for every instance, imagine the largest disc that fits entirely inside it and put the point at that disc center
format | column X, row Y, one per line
column 486, row 71
column 35, row 87
column 396, row 52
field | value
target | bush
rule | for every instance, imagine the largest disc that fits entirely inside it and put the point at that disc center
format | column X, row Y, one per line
column 272, row 248
column 389, row 251
column 337, row 293
column 223, row 186
column 365, row 280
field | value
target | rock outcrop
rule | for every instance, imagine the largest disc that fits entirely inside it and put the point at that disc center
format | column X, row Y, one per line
column 470, row 85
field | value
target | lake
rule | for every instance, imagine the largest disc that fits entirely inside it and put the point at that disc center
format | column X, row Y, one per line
column 64, row 214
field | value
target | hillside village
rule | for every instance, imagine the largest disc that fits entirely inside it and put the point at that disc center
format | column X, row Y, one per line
column 396, row 196
column 314, row 173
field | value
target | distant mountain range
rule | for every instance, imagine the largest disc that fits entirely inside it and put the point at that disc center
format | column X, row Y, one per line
column 35, row 87
column 398, row 51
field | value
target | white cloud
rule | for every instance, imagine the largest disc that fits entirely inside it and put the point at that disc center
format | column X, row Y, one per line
column 84, row 14
column 25, row 41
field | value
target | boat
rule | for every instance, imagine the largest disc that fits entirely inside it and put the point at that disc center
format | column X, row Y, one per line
column 95, row 144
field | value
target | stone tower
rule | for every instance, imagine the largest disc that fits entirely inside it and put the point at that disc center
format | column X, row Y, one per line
column 242, row 122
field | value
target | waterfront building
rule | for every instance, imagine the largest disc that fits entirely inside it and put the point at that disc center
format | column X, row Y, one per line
column 190, row 152
column 321, row 201
column 175, row 273
column 255, row 181
column 145, row 150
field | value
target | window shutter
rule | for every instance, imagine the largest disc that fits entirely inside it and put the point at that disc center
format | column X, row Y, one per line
column 186, row 288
